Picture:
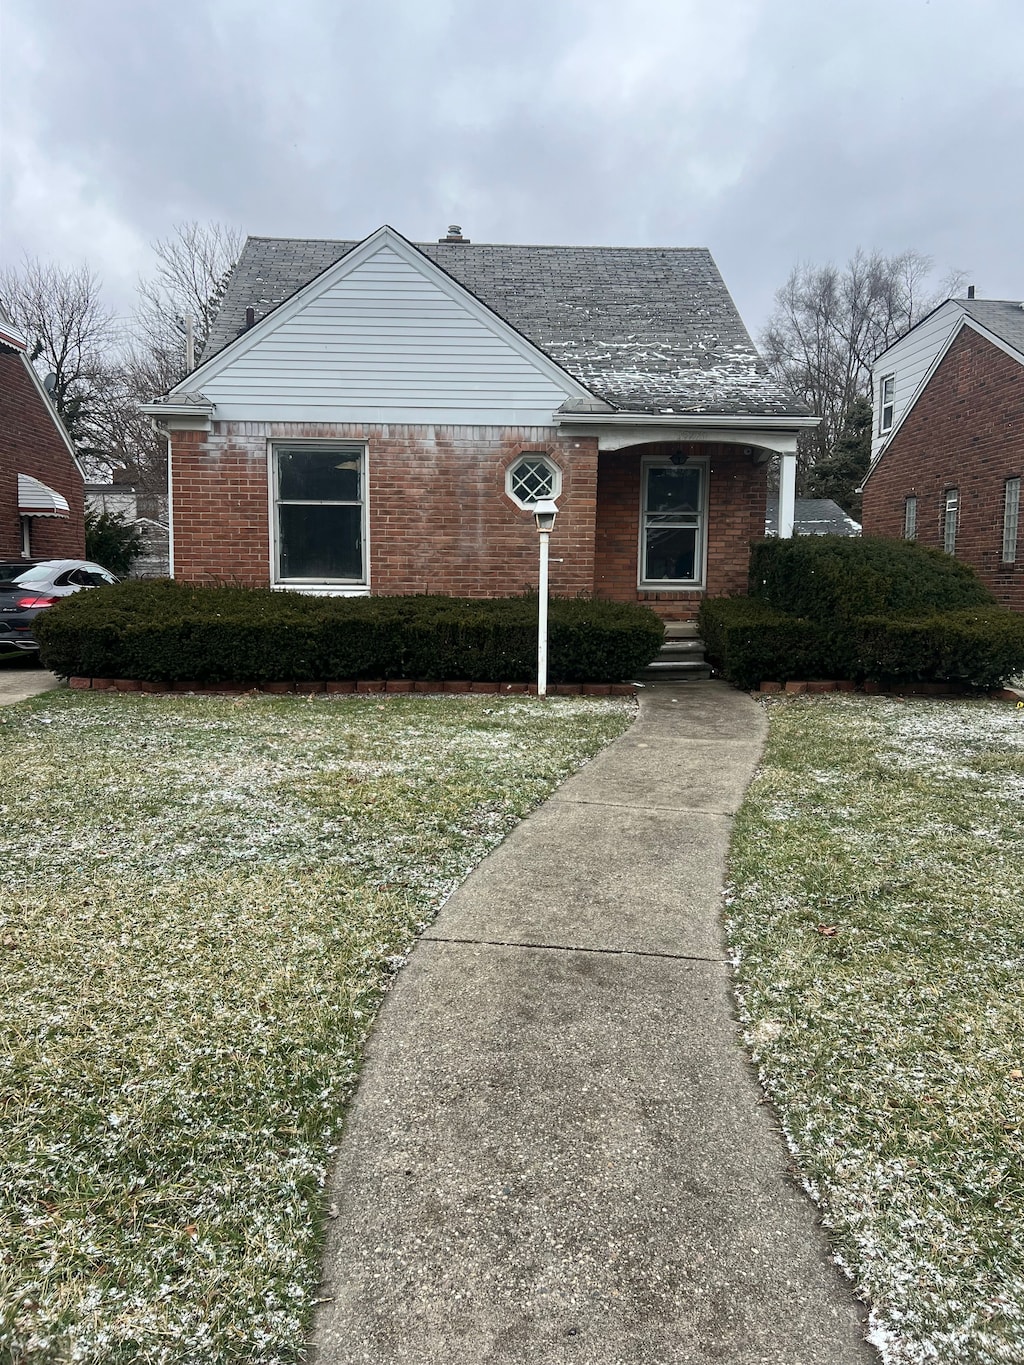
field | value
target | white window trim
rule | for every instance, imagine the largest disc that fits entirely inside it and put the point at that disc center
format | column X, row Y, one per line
column 674, row 584
column 910, row 517
column 327, row 587
column 885, row 427
column 1011, row 519
column 540, row 457
column 951, row 520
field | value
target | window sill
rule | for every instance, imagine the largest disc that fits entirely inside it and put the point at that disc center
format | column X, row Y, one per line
column 324, row 589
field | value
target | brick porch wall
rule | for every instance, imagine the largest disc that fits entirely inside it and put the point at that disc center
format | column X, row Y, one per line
column 439, row 518
column 29, row 444
column 737, row 495
column 966, row 431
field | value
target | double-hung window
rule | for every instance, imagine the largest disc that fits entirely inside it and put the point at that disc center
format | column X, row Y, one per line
column 319, row 514
column 949, row 523
column 673, row 523
column 1011, row 520
column 886, row 405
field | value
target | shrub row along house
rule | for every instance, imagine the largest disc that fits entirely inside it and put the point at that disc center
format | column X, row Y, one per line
column 948, row 447
column 379, row 417
column 41, row 500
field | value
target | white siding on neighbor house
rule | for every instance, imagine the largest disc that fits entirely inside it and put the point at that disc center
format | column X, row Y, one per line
column 385, row 342
column 909, row 360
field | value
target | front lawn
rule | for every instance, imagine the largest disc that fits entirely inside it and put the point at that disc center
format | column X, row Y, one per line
column 203, row 901
column 876, row 919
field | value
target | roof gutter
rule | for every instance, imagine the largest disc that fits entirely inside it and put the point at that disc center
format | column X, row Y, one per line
column 687, row 419
column 170, row 416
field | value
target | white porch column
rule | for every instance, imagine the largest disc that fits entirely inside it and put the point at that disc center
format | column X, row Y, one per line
column 787, row 495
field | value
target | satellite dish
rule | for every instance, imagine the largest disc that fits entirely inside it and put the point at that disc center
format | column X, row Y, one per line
column 50, row 383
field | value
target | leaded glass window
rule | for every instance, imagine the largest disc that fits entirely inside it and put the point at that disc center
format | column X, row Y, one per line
column 533, row 478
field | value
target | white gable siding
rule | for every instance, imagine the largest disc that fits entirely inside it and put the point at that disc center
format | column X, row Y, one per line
column 909, row 360
column 384, row 343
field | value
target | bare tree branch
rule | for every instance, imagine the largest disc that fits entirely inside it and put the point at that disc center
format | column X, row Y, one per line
column 192, row 270
column 72, row 334
column 829, row 325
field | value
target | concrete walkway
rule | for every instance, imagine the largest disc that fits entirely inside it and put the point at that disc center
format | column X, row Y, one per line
column 18, row 682
column 557, row 1152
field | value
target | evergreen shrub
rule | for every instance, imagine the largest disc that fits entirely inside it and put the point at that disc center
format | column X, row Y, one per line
column 842, row 578
column 978, row 646
column 870, row 609
column 163, row 631
column 748, row 641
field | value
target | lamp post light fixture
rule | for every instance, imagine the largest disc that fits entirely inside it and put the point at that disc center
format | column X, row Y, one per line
column 544, row 514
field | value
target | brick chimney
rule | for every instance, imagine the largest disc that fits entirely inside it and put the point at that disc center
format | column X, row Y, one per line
column 454, row 235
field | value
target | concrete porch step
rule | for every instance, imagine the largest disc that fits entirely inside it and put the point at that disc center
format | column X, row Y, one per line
column 681, row 656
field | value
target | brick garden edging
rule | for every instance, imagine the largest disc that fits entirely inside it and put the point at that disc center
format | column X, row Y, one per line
column 391, row 687
column 817, row 687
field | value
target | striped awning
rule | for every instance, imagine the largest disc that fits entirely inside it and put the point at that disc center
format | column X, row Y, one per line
column 36, row 499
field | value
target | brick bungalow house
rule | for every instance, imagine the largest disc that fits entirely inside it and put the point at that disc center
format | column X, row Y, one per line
column 380, row 416
column 948, row 447
column 42, row 506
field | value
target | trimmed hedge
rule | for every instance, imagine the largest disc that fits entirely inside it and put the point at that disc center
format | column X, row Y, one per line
column 870, row 609
column 748, row 641
column 165, row 631
column 978, row 646
column 843, row 578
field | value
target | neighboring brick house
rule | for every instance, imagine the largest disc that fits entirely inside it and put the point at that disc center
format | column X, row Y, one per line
column 949, row 444
column 379, row 417
column 42, row 513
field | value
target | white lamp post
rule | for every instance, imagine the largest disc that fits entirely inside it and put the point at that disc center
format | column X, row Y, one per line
column 544, row 515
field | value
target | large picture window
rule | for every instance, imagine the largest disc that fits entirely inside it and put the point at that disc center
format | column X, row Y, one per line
column 319, row 505
column 673, row 518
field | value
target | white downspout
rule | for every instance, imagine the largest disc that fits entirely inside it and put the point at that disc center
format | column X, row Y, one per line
column 787, row 495
column 170, row 510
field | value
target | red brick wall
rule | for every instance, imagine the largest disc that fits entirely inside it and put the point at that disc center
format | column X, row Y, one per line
column 30, row 444
column 439, row 517
column 966, row 431
column 737, row 494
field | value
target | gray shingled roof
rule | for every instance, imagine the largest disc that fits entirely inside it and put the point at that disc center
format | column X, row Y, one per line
column 1003, row 317
column 648, row 329
column 812, row 517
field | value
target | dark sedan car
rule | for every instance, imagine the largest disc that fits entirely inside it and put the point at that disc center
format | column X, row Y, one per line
column 27, row 588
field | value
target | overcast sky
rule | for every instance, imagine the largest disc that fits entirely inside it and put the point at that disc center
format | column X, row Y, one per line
column 770, row 131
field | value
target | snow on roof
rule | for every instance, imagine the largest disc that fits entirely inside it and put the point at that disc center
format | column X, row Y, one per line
column 648, row 329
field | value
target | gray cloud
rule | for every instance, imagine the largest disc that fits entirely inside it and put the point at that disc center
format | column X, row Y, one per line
column 770, row 132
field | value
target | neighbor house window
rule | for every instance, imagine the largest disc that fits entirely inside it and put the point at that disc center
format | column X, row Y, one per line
column 1011, row 520
column 319, row 513
column 533, row 478
column 673, row 523
column 910, row 518
column 886, row 393
column 949, row 524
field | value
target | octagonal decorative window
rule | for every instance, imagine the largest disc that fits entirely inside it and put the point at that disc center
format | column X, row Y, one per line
column 533, row 478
